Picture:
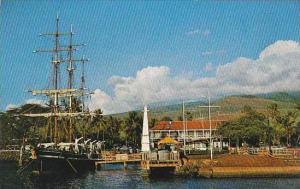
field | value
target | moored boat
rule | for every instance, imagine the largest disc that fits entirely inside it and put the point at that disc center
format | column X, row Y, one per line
column 63, row 150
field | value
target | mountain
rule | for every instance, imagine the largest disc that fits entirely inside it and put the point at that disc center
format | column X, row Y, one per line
column 283, row 96
column 228, row 105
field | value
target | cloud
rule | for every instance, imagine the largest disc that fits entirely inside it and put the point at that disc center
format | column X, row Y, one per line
column 209, row 53
column 206, row 53
column 280, row 48
column 150, row 85
column 204, row 33
column 28, row 101
column 208, row 67
column 276, row 69
column 11, row 107
column 35, row 101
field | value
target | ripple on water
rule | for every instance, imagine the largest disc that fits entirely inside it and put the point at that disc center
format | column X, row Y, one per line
column 117, row 177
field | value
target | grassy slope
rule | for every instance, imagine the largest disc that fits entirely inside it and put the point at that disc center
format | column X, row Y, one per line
column 228, row 105
column 234, row 104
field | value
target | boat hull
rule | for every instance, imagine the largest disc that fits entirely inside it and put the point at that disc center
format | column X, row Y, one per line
column 61, row 162
column 62, row 165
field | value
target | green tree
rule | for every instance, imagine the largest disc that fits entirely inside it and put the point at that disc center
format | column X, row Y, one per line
column 13, row 125
column 250, row 128
column 274, row 122
column 166, row 118
column 134, row 124
column 288, row 121
column 297, row 135
column 231, row 130
column 179, row 118
column 188, row 116
column 112, row 131
column 273, row 111
column 99, row 123
column 153, row 122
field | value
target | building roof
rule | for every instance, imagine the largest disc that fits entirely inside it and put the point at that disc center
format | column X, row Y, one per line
column 191, row 125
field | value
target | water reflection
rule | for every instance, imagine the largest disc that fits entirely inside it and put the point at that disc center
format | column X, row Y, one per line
column 114, row 176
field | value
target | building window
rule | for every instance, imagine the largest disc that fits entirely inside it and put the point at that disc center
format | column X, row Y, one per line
column 191, row 134
column 174, row 134
column 199, row 134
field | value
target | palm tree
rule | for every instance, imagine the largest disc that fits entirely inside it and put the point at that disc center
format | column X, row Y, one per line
column 99, row 123
column 289, row 122
column 274, row 122
column 134, row 124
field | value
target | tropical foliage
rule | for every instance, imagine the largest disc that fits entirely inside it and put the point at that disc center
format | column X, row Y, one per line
column 272, row 128
column 111, row 129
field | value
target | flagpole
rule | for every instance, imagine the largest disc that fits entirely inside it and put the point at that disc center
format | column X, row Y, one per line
column 183, row 124
column 210, row 139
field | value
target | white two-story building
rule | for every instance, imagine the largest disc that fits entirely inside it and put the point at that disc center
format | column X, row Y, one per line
column 196, row 133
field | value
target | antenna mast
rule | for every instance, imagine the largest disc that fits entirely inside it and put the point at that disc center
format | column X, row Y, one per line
column 210, row 129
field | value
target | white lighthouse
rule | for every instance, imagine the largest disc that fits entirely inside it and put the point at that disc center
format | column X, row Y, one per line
column 145, row 136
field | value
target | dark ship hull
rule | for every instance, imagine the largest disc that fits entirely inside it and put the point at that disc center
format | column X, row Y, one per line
column 58, row 162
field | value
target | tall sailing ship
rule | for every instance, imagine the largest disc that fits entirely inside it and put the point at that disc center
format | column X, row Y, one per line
column 67, row 105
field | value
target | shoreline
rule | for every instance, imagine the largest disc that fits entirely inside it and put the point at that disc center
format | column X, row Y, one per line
column 250, row 172
column 225, row 166
column 240, row 166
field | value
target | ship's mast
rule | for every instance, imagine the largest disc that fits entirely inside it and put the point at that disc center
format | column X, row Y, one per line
column 55, row 78
column 70, row 60
column 56, row 70
column 70, row 70
column 55, row 93
column 82, row 83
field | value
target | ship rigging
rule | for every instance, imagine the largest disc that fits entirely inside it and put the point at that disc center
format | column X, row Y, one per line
column 67, row 104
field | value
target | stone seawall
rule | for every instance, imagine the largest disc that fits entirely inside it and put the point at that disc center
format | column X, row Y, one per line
column 241, row 166
column 240, row 172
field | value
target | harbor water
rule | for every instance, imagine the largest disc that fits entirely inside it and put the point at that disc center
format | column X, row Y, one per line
column 114, row 176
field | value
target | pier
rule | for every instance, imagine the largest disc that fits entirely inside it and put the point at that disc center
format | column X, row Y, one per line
column 148, row 160
column 125, row 159
column 160, row 161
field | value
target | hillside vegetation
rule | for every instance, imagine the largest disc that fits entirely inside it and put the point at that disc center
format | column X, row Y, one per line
column 228, row 105
column 249, row 112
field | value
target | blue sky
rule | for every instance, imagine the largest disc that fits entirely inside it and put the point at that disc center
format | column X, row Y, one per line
column 124, row 37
